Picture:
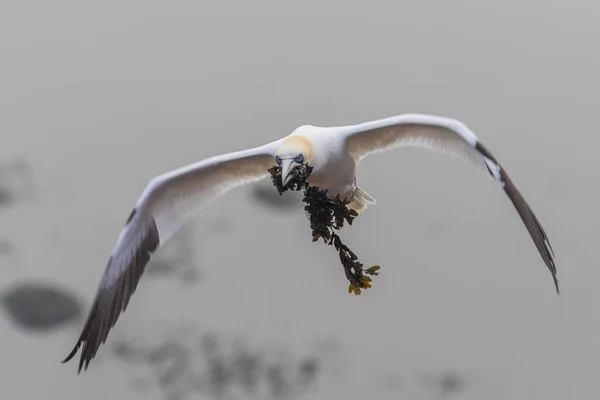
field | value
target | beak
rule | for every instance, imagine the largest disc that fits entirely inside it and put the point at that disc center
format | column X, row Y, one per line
column 286, row 168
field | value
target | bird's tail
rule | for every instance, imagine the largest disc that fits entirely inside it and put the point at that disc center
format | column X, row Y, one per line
column 360, row 200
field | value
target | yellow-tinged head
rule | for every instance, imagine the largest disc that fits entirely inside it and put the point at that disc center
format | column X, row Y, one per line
column 294, row 151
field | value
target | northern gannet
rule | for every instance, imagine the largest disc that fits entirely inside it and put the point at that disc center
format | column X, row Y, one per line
column 332, row 152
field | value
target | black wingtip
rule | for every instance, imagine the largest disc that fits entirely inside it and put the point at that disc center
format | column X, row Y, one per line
column 112, row 300
column 529, row 219
column 71, row 355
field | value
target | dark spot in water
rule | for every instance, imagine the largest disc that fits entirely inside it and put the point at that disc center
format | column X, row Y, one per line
column 308, row 369
column 267, row 195
column 125, row 351
column 247, row 368
column 220, row 375
column 34, row 306
column 16, row 182
column 447, row 383
column 451, row 383
column 190, row 276
column 222, row 369
column 280, row 387
column 172, row 360
column 6, row 196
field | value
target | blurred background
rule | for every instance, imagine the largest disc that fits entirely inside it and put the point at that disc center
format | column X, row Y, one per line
column 98, row 97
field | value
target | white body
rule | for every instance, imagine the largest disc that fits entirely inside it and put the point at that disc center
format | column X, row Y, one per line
column 334, row 169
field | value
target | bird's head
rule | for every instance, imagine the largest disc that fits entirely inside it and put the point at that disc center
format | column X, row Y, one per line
column 293, row 152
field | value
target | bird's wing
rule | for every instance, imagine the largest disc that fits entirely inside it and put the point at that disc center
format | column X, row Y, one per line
column 159, row 213
column 447, row 136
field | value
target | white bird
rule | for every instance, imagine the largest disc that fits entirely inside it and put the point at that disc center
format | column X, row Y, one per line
column 333, row 152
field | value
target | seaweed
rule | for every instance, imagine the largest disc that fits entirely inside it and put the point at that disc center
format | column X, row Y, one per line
column 327, row 214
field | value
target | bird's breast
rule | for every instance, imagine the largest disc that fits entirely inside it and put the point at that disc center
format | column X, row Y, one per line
column 336, row 175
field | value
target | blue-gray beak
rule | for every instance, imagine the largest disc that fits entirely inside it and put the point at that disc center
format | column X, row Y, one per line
column 287, row 166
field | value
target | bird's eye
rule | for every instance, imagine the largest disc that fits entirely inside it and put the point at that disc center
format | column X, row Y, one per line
column 278, row 160
column 300, row 158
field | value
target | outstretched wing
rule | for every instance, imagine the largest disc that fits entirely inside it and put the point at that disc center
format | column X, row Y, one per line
column 447, row 136
column 159, row 213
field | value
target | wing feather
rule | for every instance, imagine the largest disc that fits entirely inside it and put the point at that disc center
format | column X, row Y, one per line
column 161, row 210
column 452, row 137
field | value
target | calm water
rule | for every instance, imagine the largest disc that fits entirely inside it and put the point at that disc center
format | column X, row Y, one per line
column 98, row 97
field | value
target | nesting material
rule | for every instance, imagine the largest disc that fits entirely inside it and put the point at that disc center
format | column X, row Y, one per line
column 327, row 214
